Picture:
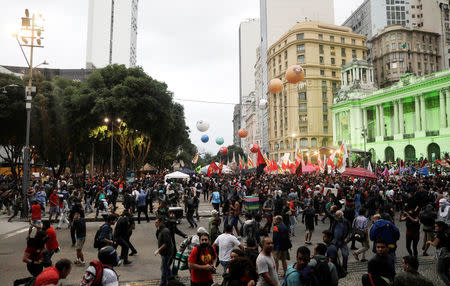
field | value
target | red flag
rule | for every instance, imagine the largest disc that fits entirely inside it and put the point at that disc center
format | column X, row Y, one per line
column 424, row 162
column 284, row 166
column 293, row 168
column 274, row 166
column 309, row 163
column 402, row 164
column 220, row 168
column 212, row 168
column 260, row 159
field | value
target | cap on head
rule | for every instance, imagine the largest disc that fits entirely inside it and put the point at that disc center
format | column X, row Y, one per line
column 201, row 230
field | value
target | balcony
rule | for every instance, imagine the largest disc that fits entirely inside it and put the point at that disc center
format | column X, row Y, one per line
column 432, row 133
column 388, row 138
column 408, row 136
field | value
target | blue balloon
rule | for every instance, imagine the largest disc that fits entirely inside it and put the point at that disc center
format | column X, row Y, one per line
column 205, row 138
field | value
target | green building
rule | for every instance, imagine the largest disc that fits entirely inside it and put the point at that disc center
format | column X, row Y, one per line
column 408, row 120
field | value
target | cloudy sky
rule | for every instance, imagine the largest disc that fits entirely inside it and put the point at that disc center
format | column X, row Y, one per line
column 190, row 45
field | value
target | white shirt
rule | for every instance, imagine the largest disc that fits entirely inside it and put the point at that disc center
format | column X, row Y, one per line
column 226, row 243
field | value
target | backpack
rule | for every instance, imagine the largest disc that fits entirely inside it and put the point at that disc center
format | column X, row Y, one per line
column 97, row 242
column 98, row 272
column 322, row 271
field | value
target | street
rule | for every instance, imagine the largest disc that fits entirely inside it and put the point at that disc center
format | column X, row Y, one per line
column 145, row 267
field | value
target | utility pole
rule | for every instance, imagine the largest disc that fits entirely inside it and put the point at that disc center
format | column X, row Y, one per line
column 364, row 134
column 33, row 34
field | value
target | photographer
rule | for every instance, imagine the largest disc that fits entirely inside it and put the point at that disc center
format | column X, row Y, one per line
column 201, row 262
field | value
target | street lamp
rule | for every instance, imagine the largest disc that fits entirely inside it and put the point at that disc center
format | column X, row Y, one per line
column 364, row 135
column 9, row 85
column 32, row 39
column 106, row 120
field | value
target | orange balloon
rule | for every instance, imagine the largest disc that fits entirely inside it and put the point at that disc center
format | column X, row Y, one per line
column 295, row 74
column 275, row 85
column 242, row 133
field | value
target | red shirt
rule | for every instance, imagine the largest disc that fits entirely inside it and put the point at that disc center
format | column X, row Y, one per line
column 49, row 276
column 54, row 200
column 201, row 276
column 51, row 243
column 35, row 212
column 35, row 254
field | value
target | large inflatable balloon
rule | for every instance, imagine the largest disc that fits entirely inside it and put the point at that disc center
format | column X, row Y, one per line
column 263, row 103
column 242, row 133
column 223, row 150
column 254, row 148
column 202, row 126
column 219, row 140
column 205, row 138
column 275, row 85
column 295, row 74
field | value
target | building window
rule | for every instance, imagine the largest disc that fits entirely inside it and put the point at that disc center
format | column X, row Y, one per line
column 343, row 52
column 343, row 62
column 325, row 118
column 333, row 74
column 354, row 54
column 303, row 142
column 324, row 142
column 320, row 37
column 331, row 38
column 313, row 142
column 320, row 49
column 332, row 52
column 334, row 86
column 285, row 55
column 300, row 48
column 342, row 40
column 321, row 60
column 353, row 42
column 325, row 129
column 281, row 145
column 302, row 96
column 300, row 36
column 322, row 72
column 302, row 107
column 303, row 119
column 301, row 59
column 325, row 107
column 324, row 84
column 333, row 62
column 324, row 95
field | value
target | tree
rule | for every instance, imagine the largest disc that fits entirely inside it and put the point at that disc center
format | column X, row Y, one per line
column 12, row 121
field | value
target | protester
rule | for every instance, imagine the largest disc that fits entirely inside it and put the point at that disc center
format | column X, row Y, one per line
column 412, row 230
column 79, row 224
column 326, row 272
column 51, row 275
column 101, row 271
column 51, row 245
column 265, row 265
column 105, row 236
column 309, row 217
column 121, row 232
column 381, row 268
column 281, row 243
column 442, row 244
column 383, row 228
column 410, row 275
column 36, row 216
column 226, row 242
column 201, row 262
column 165, row 250
column 360, row 229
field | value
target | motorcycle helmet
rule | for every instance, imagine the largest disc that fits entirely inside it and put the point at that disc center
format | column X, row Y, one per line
column 108, row 255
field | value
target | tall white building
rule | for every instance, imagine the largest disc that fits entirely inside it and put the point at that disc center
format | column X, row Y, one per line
column 249, row 39
column 112, row 32
column 277, row 17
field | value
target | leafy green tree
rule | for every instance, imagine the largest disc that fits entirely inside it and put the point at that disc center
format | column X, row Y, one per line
column 12, row 121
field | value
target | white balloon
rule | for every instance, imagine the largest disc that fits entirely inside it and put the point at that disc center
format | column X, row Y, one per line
column 263, row 103
column 202, row 126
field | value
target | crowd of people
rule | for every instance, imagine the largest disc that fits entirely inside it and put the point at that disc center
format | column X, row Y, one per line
column 248, row 243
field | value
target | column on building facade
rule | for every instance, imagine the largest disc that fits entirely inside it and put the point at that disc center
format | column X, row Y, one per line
column 352, row 78
column 361, row 74
column 447, row 99
column 417, row 113
column 334, row 128
column 371, row 75
column 401, row 123
column 442, row 109
column 395, row 102
column 377, row 119
column 382, row 129
column 364, row 116
column 423, row 113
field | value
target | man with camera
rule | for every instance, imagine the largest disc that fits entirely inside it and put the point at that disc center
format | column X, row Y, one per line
column 201, row 262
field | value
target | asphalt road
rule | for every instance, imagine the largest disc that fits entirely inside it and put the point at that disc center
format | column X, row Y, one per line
column 145, row 266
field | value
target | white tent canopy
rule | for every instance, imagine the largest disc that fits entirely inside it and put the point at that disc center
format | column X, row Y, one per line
column 176, row 175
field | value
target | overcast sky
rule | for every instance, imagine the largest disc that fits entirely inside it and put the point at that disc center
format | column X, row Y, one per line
column 190, row 45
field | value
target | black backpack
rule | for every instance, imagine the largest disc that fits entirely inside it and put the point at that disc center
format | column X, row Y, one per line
column 322, row 271
column 97, row 242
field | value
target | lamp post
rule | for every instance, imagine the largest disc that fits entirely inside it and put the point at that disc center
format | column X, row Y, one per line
column 364, row 135
column 112, row 142
column 31, row 39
